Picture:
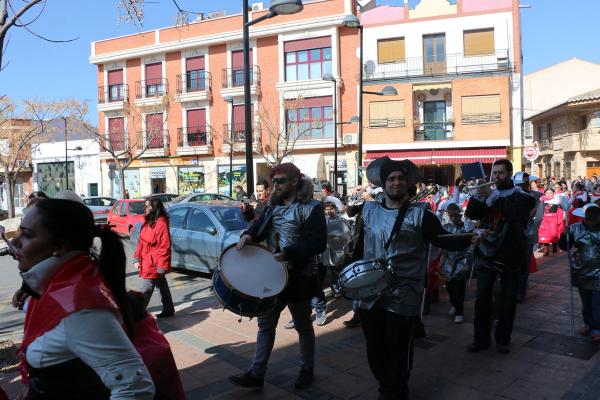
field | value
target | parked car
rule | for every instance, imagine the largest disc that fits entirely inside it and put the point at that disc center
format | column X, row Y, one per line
column 187, row 198
column 200, row 232
column 100, row 207
column 164, row 197
column 125, row 214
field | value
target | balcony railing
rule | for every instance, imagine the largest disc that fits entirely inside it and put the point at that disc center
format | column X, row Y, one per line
column 239, row 132
column 455, row 64
column 116, row 142
column 152, row 139
column 481, row 118
column 151, row 88
column 387, row 123
column 113, row 93
column 431, row 131
column 234, row 77
column 197, row 81
column 193, row 136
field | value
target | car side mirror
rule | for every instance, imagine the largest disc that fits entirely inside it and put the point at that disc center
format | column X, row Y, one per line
column 212, row 231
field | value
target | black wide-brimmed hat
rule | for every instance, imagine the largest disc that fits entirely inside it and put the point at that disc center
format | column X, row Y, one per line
column 379, row 169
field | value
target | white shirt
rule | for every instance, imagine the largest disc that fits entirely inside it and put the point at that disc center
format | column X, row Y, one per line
column 95, row 336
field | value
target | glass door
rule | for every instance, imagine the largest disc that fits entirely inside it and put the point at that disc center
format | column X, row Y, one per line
column 434, row 116
column 434, row 54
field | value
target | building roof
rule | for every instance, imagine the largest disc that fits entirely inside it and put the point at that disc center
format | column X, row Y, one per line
column 587, row 96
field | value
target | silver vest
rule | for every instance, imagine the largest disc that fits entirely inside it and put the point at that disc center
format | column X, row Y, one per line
column 585, row 259
column 287, row 222
column 456, row 264
column 338, row 237
column 407, row 255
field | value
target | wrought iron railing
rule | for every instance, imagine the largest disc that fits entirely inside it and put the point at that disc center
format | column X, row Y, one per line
column 431, row 131
column 238, row 133
column 454, row 64
column 193, row 136
column 151, row 88
column 116, row 142
column 194, row 81
column 113, row 93
column 234, row 77
column 153, row 139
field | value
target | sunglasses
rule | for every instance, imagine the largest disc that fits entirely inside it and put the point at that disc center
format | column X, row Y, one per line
column 279, row 181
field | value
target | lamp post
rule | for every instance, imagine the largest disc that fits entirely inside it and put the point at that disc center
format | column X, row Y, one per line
column 277, row 7
column 229, row 100
column 331, row 78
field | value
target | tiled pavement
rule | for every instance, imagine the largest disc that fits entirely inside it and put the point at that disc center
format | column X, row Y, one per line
column 546, row 362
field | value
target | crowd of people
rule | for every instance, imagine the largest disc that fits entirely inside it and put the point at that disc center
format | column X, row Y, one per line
column 87, row 337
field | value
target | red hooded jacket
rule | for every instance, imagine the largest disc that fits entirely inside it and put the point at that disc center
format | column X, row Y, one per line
column 154, row 248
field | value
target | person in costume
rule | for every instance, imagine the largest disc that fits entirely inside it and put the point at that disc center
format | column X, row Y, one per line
column 75, row 344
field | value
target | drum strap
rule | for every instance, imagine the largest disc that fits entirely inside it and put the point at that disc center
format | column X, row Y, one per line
column 397, row 224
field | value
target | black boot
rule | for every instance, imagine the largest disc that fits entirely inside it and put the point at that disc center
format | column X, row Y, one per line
column 305, row 378
column 247, row 380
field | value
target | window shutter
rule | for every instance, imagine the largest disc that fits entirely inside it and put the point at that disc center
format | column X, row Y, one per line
column 116, row 126
column 196, row 118
column 479, row 42
column 237, row 59
column 386, row 113
column 307, row 44
column 115, row 77
column 153, row 71
column 390, row 50
column 194, row 63
column 154, row 122
column 481, row 109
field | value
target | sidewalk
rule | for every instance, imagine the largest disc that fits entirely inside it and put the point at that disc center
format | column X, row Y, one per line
column 545, row 362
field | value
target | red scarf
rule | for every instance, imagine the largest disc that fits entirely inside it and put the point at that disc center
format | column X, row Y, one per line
column 78, row 285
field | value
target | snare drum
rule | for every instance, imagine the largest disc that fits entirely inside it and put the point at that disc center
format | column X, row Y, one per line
column 364, row 279
column 248, row 281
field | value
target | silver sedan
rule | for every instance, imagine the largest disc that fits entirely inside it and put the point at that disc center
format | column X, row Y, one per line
column 200, row 232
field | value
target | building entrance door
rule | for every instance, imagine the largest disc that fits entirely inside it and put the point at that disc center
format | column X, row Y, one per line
column 593, row 168
column 434, row 54
column 158, row 185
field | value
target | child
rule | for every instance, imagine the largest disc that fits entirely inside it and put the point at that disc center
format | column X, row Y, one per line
column 456, row 265
column 584, row 260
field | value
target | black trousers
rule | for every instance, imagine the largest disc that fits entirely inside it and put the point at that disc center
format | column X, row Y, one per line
column 456, row 292
column 390, row 346
column 484, row 305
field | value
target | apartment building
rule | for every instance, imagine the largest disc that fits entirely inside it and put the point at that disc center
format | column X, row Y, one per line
column 568, row 136
column 456, row 69
column 175, row 96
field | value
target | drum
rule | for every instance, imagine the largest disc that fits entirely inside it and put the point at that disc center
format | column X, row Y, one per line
column 364, row 279
column 247, row 281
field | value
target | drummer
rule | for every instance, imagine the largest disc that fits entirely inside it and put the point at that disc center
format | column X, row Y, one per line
column 397, row 231
column 293, row 224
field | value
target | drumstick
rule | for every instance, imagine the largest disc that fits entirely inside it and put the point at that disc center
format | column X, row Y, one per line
column 276, row 237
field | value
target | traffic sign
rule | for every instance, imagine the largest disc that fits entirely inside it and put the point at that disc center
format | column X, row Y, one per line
column 531, row 153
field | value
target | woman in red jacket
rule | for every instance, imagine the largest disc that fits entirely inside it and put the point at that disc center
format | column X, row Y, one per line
column 152, row 255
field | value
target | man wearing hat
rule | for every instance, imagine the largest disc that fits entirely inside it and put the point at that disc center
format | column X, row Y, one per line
column 396, row 232
column 521, row 180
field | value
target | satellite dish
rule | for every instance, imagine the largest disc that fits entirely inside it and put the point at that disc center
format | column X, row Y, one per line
column 370, row 68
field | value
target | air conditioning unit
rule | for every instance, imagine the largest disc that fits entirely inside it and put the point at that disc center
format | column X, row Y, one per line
column 349, row 139
column 258, row 6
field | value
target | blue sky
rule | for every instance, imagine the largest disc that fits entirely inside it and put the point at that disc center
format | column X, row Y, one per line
column 553, row 31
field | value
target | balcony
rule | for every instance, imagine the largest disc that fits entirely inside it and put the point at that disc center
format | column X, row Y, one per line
column 194, row 140
column 154, row 143
column 116, row 143
column 238, row 136
column 455, row 64
column 232, row 81
column 112, row 97
column 546, row 145
column 151, row 91
column 194, row 86
column 387, row 123
column 432, row 131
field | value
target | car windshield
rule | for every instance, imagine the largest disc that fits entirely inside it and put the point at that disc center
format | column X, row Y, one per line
column 179, row 199
column 231, row 218
column 136, row 207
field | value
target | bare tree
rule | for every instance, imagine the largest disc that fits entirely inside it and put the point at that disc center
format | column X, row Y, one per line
column 22, row 132
column 126, row 146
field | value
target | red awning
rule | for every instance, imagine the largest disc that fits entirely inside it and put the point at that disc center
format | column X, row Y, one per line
column 442, row 156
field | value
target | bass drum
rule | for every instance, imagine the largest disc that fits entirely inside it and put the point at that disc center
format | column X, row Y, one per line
column 364, row 279
column 248, row 281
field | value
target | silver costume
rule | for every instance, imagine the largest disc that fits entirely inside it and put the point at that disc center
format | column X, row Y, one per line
column 585, row 258
column 407, row 255
column 338, row 237
column 287, row 224
column 457, row 264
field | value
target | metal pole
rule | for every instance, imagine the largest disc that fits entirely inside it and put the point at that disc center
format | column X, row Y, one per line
column 66, row 157
column 335, row 124
column 231, row 143
column 360, row 110
column 247, row 103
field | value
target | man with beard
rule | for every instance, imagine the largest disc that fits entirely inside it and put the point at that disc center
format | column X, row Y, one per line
column 293, row 224
column 501, row 250
column 398, row 232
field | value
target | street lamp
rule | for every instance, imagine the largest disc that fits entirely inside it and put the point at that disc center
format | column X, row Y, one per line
column 331, row 78
column 277, row 7
column 229, row 100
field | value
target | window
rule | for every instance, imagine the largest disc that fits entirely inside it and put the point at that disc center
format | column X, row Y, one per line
column 115, row 85
column 154, row 82
column 596, row 123
column 390, row 50
column 231, row 218
column 177, row 217
column 540, row 132
column 198, row 221
column 567, row 170
column 237, row 68
column 307, row 59
column 313, row 120
column 386, row 114
column 528, row 129
column 584, row 122
column 136, row 207
column 557, row 173
column 479, row 42
column 195, row 76
column 481, row 109
column 549, row 132
column 18, row 196
column 116, row 133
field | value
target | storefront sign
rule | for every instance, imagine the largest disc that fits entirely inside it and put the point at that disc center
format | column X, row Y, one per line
column 531, row 153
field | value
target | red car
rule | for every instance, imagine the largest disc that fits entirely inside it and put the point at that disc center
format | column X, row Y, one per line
column 125, row 214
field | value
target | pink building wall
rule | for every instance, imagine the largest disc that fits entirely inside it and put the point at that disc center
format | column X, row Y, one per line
column 484, row 5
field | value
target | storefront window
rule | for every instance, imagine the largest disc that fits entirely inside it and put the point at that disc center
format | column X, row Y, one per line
column 238, row 176
column 190, row 180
